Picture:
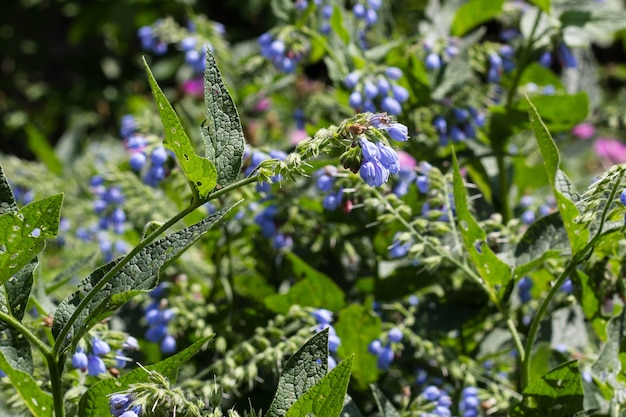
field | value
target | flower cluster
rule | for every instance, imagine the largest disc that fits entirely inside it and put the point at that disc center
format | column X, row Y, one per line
column 385, row 353
column 500, row 62
column 439, row 400
column 121, row 405
column 376, row 90
column 284, row 55
column 530, row 210
column 22, row 195
column 158, row 316
column 470, row 403
column 266, row 219
column 325, row 182
column 460, row 125
column 438, row 53
column 91, row 362
column 195, row 55
column 367, row 11
column 149, row 40
column 324, row 319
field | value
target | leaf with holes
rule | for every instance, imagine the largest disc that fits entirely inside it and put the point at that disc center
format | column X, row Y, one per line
column 495, row 272
column 545, row 238
column 23, row 233
column 200, row 172
column 38, row 402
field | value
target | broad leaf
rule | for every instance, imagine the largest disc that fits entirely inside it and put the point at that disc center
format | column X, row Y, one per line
column 357, row 316
column 39, row 403
column 545, row 238
column 302, row 371
column 473, row 13
column 139, row 275
column 7, row 201
column 325, row 399
column 385, row 407
column 95, row 402
column 559, row 112
column 577, row 234
column 200, row 172
column 314, row 289
column 23, row 234
column 559, row 393
column 495, row 272
column 222, row 132
column 13, row 301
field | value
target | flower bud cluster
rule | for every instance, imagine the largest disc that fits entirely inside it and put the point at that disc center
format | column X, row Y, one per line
column 469, row 405
column 437, row 53
column 284, row 51
column 385, row 352
column 530, row 210
column 121, row 405
column 150, row 41
column 460, row 124
column 438, row 401
column 267, row 219
column 324, row 319
column 325, row 182
column 378, row 89
column 157, row 317
column 93, row 358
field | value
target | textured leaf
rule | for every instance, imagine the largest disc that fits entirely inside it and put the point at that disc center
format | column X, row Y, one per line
column 473, row 13
column 95, row 402
column 23, row 234
column 357, row 316
column 349, row 408
column 385, row 407
column 140, row 274
column 325, row 399
column 559, row 393
column 13, row 301
column 545, row 238
column 7, row 201
column 302, row 371
column 222, row 132
column 200, row 172
column 38, row 402
column 577, row 234
column 314, row 290
column 494, row 271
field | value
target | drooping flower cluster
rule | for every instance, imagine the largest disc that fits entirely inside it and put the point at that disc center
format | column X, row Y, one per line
column 266, row 219
column 92, row 359
column 470, row 403
column 157, row 317
column 437, row 53
column 459, row 125
column 324, row 319
column 150, row 41
column 385, row 353
column 374, row 90
column 285, row 53
column 325, row 182
column 438, row 400
column 121, row 406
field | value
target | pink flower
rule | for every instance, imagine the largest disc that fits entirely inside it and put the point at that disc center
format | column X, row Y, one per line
column 194, row 87
column 407, row 162
column 610, row 150
column 584, row 131
column 297, row 136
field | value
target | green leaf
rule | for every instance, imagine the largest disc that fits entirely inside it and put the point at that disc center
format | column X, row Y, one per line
column 559, row 112
column 357, row 316
column 302, row 371
column 545, row 238
column 282, row 9
column 325, row 399
column 139, row 275
column 314, row 289
column 542, row 4
column 559, row 393
column 385, row 407
column 95, row 402
column 39, row 145
column 20, row 242
column 13, row 301
column 222, row 132
column 7, row 201
column 39, row 403
column 473, row 13
column 200, row 172
column 338, row 26
column 492, row 269
column 577, row 234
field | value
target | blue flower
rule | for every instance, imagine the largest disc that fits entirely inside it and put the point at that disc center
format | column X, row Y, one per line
column 385, row 357
column 373, row 173
column 397, row 131
column 395, row 335
column 333, row 200
column 99, row 347
column 95, row 365
column 79, row 359
column 323, row 316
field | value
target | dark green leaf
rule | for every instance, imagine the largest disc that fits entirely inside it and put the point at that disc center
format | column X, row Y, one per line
column 39, row 403
column 542, row 4
column 13, row 301
column 200, row 172
column 314, row 289
column 7, row 201
column 494, row 271
column 385, row 407
column 544, row 239
column 578, row 235
column 559, row 393
column 349, row 408
column 325, row 399
column 338, row 26
column 139, row 275
column 222, row 132
column 302, row 371
column 473, row 13
column 357, row 316
column 23, row 234
column 95, row 402
column 559, row 112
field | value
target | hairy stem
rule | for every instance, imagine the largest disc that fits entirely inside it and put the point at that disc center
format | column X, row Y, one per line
column 32, row 338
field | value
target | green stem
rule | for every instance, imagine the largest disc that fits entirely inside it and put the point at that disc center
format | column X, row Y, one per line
column 230, row 187
column 503, row 185
column 114, row 271
column 55, row 383
column 32, row 338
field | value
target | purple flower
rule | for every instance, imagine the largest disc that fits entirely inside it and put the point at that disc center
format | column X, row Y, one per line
column 391, row 106
column 373, row 173
column 352, row 79
column 370, row 150
column 375, row 347
column 433, row 61
column 400, row 93
column 385, row 357
column 79, row 359
column 431, row 393
column 323, row 316
column 393, row 72
column 610, row 150
column 355, row 99
column 168, row 344
column 397, row 131
column 118, row 403
column 99, row 347
column 584, row 131
column 95, row 365
column 395, row 335
column 566, row 57
column 333, row 200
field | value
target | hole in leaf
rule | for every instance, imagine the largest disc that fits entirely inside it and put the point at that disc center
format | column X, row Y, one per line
column 198, row 183
column 478, row 245
column 173, row 130
column 464, row 225
column 186, row 156
column 35, row 233
column 318, row 361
